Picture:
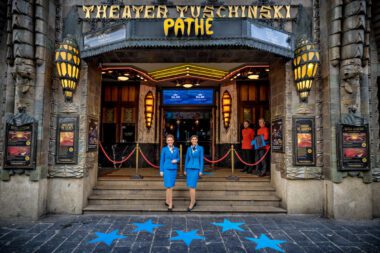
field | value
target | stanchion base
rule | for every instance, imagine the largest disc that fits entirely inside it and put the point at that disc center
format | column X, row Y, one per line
column 181, row 176
column 137, row 177
column 233, row 178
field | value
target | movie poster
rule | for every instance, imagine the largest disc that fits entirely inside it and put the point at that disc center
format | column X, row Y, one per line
column 67, row 140
column 277, row 136
column 353, row 148
column 304, row 141
column 93, row 130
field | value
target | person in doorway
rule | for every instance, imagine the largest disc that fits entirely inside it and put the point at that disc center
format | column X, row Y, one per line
column 248, row 134
column 168, row 168
column 193, row 168
column 261, row 168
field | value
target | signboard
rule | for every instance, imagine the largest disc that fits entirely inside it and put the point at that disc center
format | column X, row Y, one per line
column 353, row 148
column 271, row 35
column 277, row 136
column 105, row 37
column 188, row 97
column 67, row 140
column 304, row 141
column 93, row 138
column 20, row 146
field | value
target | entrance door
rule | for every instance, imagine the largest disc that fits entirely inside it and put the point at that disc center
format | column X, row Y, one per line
column 182, row 124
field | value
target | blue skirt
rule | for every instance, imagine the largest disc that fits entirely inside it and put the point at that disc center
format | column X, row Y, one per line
column 192, row 176
column 169, row 178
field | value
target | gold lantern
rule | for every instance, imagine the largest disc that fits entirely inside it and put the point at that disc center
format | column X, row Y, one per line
column 149, row 104
column 67, row 61
column 305, row 66
column 226, row 108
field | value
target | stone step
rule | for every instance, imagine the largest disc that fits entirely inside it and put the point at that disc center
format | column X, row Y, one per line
column 182, row 208
column 213, row 178
column 182, row 187
column 183, row 192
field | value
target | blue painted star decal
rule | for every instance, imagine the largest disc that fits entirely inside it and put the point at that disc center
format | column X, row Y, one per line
column 147, row 226
column 107, row 238
column 265, row 242
column 228, row 225
column 187, row 237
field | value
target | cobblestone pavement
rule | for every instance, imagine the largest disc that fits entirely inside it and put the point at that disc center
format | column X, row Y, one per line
column 300, row 233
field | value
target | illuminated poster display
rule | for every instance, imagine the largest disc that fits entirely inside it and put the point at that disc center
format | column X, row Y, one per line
column 67, row 140
column 304, row 141
column 188, row 97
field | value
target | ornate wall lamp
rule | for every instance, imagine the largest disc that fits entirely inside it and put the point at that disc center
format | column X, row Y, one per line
column 305, row 66
column 149, row 104
column 67, row 61
column 226, row 108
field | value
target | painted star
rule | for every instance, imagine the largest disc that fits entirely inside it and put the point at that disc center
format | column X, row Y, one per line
column 228, row 225
column 107, row 238
column 266, row 242
column 147, row 226
column 187, row 237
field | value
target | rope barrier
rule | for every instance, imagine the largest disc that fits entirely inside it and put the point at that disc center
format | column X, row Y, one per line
column 255, row 163
column 219, row 160
column 113, row 161
column 147, row 161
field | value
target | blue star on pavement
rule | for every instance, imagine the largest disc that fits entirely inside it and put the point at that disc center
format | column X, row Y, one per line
column 265, row 242
column 147, row 226
column 107, row 238
column 187, row 237
column 228, row 225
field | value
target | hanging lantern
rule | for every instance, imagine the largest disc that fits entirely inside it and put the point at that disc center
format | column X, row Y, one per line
column 226, row 108
column 67, row 61
column 305, row 66
column 149, row 103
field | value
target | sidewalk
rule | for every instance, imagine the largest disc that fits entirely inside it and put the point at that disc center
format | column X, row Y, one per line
column 189, row 233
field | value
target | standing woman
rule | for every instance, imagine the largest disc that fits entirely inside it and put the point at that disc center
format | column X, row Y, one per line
column 193, row 168
column 168, row 168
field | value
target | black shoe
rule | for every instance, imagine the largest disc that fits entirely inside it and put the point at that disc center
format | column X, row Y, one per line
column 166, row 204
column 170, row 209
column 189, row 209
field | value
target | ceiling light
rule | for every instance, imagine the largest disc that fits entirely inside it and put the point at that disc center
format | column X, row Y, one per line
column 253, row 76
column 123, row 78
column 187, row 85
column 267, row 70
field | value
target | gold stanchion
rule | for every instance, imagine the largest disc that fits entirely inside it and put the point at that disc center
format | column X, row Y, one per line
column 137, row 176
column 232, row 176
column 181, row 175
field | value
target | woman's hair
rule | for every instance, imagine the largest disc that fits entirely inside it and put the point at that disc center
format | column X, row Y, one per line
column 247, row 122
column 169, row 136
column 194, row 136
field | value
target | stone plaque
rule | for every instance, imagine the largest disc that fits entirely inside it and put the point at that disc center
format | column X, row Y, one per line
column 304, row 141
column 353, row 148
column 93, row 138
column 277, row 136
column 67, row 139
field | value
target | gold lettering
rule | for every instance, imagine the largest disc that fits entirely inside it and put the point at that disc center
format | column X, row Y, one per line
column 199, row 27
column 179, row 26
column 137, row 10
column 208, row 26
column 114, row 11
column 287, row 7
column 127, row 12
column 189, row 22
column 168, row 23
column 233, row 11
column 265, row 12
column 252, row 11
column 277, row 13
column 182, row 11
column 198, row 8
column 242, row 11
column 102, row 9
column 149, row 11
column 208, row 11
column 88, row 10
column 162, row 11
column 219, row 12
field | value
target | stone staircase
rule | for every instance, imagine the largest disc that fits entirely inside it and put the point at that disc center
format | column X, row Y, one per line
column 214, row 195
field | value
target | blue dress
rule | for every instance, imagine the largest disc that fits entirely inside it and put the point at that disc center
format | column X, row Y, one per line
column 193, row 165
column 167, row 167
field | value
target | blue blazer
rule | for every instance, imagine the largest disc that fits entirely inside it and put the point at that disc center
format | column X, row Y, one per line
column 194, row 160
column 167, row 157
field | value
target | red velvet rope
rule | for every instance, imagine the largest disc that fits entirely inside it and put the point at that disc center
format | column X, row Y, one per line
column 255, row 163
column 217, row 161
column 113, row 161
column 147, row 161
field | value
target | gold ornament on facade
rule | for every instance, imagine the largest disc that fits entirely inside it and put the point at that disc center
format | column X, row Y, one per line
column 305, row 67
column 67, row 62
column 226, row 109
column 149, row 104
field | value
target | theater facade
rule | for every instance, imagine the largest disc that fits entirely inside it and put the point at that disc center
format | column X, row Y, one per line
column 89, row 87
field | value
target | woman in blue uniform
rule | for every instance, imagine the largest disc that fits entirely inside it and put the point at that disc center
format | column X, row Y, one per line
column 193, row 168
column 168, row 168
